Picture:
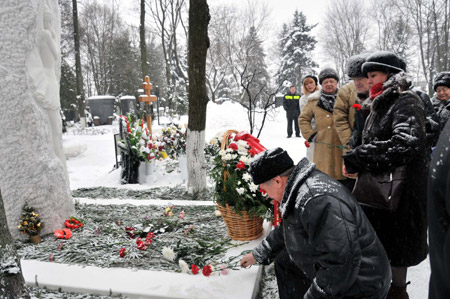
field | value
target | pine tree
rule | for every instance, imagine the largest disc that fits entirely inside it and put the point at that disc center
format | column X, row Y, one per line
column 296, row 45
column 255, row 74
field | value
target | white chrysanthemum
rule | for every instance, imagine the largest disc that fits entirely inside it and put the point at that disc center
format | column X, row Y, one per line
column 244, row 159
column 242, row 144
column 183, row 266
column 222, row 152
column 246, row 176
column 240, row 191
column 253, row 187
column 217, row 213
column 168, row 254
column 228, row 157
column 145, row 149
column 142, row 141
column 234, row 156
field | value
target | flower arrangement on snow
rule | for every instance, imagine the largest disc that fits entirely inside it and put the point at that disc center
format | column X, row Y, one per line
column 30, row 223
column 71, row 224
column 145, row 146
column 234, row 185
column 175, row 140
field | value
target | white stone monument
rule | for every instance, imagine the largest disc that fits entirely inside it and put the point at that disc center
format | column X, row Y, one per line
column 32, row 162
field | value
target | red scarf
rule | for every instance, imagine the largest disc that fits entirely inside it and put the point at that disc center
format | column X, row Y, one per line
column 376, row 90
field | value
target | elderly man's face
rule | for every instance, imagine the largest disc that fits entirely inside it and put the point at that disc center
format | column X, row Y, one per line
column 443, row 93
column 274, row 188
column 329, row 85
column 361, row 84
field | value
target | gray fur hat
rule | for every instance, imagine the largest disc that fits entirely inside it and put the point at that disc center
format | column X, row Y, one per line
column 354, row 65
column 328, row 73
column 383, row 61
column 441, row 79
column 268, row 164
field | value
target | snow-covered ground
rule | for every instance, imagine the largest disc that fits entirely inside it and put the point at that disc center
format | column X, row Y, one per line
column 92, row 160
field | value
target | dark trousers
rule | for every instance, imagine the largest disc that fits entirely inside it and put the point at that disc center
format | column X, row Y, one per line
column 292, row 282
column 289, row 126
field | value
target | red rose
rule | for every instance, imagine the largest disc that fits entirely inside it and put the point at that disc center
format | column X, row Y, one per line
column 67, row 233
column 307, row 144
column 233, row 146
column 194, row 269
column 240, row 165
column 357, row 106
column 207, row 270
column 122, row 252
column 59, row 234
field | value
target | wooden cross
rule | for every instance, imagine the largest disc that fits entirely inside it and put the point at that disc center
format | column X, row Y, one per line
column 147, row 99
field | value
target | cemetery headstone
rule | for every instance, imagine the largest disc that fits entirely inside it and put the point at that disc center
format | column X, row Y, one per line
column 101, row 106
column 33, row 167
column 127, row 105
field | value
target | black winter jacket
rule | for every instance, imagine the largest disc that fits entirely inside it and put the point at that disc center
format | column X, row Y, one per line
column 442, row 109
column 432, row 119
column 291, row 104
column 439, row 217
column 328, row 237
column 394, row 135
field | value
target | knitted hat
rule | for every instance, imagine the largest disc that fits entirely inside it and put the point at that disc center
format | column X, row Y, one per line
column 309, row 76
column 383, row 61
column 442, row 79
column 328, row 73
column 354, row 64
column 269, row 164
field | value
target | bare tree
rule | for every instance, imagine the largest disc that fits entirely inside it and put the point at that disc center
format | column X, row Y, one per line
column 12, row 284
column 198, row 44
column 143, row 46
column 344, row 31
column 78, row 72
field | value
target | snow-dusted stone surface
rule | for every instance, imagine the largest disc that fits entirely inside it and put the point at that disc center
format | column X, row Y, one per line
column 33, row 167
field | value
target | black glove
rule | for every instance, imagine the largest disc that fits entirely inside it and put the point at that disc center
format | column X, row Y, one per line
column 310, row 139
column 351, row 162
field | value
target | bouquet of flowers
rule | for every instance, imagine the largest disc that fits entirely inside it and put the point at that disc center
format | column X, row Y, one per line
column 234, row 185
column 175, row 139
column 30, row 223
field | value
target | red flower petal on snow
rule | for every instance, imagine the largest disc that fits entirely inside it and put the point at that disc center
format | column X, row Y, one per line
column 307, row 144
column 59, row 234
column 67, row 233
column 122, row 252
column 357, row 106
column 207, row 270
column 240, row 165
column 194, row 269
column 233, row 146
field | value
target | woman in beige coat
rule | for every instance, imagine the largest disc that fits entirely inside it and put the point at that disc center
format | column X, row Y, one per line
column 309, row 85
column 328, row 150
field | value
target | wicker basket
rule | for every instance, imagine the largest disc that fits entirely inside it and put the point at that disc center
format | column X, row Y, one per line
column 241, row 227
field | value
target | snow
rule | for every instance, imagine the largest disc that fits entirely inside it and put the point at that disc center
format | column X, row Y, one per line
column 102, row 97
column 95, row 167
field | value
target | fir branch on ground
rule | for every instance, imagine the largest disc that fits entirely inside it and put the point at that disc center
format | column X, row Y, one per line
column 103, row 235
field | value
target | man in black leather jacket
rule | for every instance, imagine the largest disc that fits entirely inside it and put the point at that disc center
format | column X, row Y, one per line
column 324, row 247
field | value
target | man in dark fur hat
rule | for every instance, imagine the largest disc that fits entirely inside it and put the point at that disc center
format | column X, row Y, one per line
column 324, row 247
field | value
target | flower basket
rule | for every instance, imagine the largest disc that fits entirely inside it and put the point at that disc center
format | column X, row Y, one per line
column 241, row 227
column 238, row 199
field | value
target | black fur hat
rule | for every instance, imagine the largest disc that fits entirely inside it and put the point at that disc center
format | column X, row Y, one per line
column 442, row 79
column 269, row 164
column 354, row 65
column 328, row 73
column 383, row 61
column 310, row 76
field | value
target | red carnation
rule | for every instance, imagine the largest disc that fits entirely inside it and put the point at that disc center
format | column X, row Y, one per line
column 357, row 106
column 207, row 270
column 240, row 165
column 307, row 144
column 253, row 152
column 194, row 269
column 122, row 252
column 233, row 146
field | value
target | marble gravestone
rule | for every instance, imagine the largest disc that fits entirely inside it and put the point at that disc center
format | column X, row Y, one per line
column 32, row 162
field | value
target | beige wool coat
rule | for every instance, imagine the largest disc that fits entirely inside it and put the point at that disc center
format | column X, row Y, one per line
column 328, row 150
column 344, row 113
